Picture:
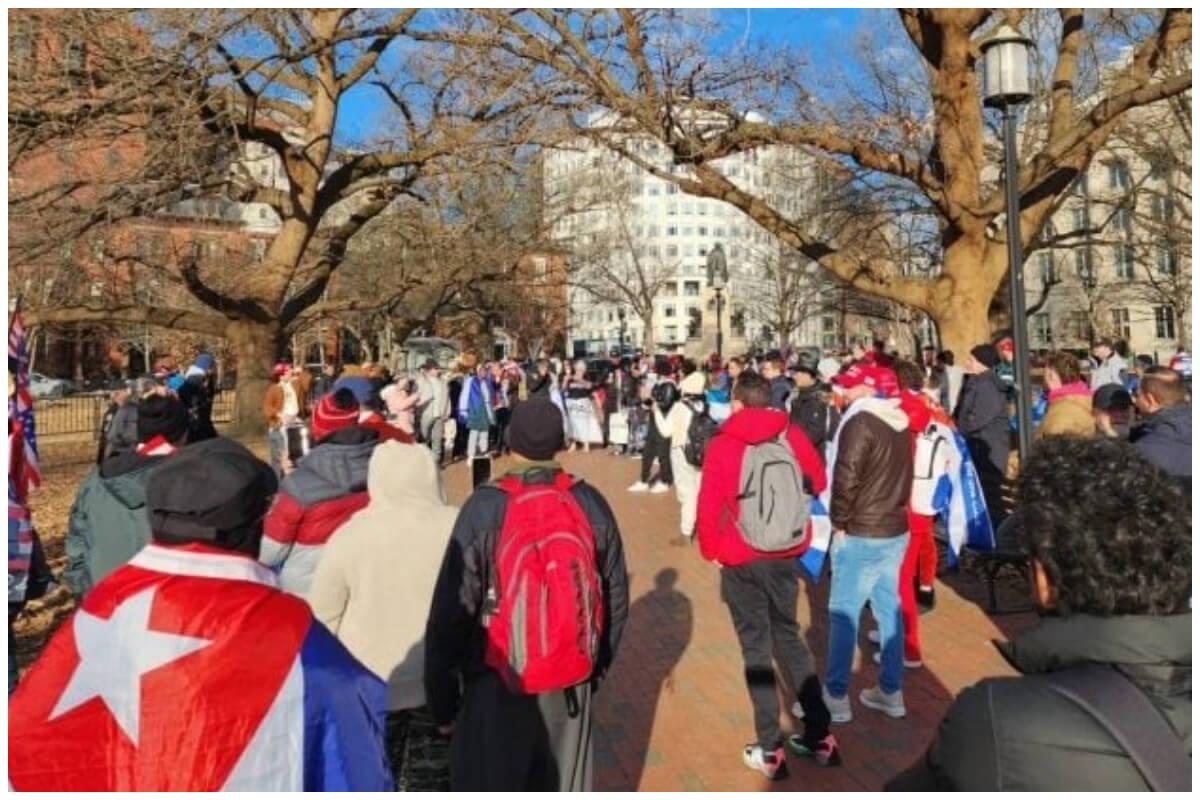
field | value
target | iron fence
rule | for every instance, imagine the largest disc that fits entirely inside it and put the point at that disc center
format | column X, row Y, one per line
column 82, row 413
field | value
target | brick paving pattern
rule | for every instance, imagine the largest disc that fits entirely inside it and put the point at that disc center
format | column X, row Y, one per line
column 674, row 713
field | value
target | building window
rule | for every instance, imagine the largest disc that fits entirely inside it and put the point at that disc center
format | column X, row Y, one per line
column 1160, row 208
column 702, row 231
column 1123, row 221
column 1083, row 264
column 652, row 230
column 1164, row 322
column 1165, row 259
column 693, row 330
column 652, row 250
column 701, row 250
column 701, row 208
column 1041, row 328
column 1079, row 219
column 737, row 323
column 672, row 333
column 672, row 189
column 669, row 289
column 687, row 230
column 672, row 250
column 1123, row 259
column 1118, row 175
column 691, row 288
column 672, row 230
column 1045, row 262
column 20, row 49
column 1120, row 322
column 653, row 192
column 687, row 208
column 719, row 232
column 672, row 209
column 74, row 57
column 1079, row 326
column 1080, row 186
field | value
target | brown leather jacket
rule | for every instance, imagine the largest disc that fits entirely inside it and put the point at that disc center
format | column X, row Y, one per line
column 873, row 475
column 273, row 401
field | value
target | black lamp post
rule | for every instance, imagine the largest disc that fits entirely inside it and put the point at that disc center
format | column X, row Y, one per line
column 621, row 340
column 718, row 275
column 1006, row 87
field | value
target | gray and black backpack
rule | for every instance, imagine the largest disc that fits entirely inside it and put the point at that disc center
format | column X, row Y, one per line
column 773, row 506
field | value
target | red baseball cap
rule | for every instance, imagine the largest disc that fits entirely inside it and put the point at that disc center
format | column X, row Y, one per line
column 881, row 379
column 1005, row 344
column 280, row 368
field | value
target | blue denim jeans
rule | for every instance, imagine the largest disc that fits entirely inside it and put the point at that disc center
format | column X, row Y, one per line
column 277, row 448
column 865, row 569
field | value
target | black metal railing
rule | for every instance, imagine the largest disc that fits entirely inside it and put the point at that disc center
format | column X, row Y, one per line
column 82, row 413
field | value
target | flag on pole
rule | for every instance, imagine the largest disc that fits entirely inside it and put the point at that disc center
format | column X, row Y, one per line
column 22, row 455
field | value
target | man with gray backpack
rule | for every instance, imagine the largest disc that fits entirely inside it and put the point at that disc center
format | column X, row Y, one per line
column 759, row 477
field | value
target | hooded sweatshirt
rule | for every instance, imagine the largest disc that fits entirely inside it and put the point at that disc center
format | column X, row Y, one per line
column 717, row 508
column 872, row 470
column 1069, row 412
column 328, row 485
column 108, row 524
column 375, row 580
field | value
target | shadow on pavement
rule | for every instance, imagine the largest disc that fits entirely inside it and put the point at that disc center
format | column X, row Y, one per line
column 658, row 631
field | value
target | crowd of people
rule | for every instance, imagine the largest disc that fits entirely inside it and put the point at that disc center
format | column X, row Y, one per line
column 330, row 621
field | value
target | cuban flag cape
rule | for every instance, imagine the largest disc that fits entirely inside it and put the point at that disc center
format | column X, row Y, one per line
column 959, row 499
column 813, row 559
column 188, row 670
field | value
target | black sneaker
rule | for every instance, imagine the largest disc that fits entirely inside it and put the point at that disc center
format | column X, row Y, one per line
column 925, row 599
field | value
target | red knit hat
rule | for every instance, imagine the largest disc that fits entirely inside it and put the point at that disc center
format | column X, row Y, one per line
column 336, row 410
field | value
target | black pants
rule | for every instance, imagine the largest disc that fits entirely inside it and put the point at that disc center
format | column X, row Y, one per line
column 761, row 596
column 657, row 447
column 520, row 742
column 419, row 755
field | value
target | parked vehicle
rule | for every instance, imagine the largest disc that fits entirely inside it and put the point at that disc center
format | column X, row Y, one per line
column 43, row 386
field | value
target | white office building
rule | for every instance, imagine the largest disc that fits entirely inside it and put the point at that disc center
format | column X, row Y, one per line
column 639, row 244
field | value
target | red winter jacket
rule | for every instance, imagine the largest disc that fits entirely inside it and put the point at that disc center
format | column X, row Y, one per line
column 717, row 508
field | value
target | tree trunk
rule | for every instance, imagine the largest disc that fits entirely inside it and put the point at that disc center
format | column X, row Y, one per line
column 648, row 333
column 255, row 345
column 963, row 325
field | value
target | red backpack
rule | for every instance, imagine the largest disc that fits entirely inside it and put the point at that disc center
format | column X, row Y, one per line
column 544, row 612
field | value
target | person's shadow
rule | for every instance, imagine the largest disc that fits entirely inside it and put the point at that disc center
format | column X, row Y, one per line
column 658, row 631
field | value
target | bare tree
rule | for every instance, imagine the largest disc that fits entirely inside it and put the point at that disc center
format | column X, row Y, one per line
column 611, row 261
column 276, row 80
column 910, row 122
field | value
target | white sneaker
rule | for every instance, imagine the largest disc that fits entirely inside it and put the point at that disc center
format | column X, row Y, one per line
column 797, row 710
column 839, row 707
column 659, row 488
column 640, row 486
column 879, row 700
column 873, row 636
column 910, row 664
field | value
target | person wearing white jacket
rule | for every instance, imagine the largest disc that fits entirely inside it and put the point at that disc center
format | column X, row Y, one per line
column 687, row 477
column 373, row 587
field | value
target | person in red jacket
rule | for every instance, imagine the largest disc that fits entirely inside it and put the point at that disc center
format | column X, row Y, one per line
column 328, row 485
column 761, row 588
column 921, row 549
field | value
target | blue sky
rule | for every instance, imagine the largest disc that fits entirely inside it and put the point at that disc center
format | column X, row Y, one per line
column 826, row 33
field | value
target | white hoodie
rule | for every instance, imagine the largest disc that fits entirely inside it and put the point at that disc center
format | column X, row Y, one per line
column 375, row 580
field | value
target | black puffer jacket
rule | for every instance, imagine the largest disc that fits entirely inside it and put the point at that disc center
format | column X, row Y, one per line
column 982, row 418
column 1165, row 440
column 454, row 637
column 1018, row 734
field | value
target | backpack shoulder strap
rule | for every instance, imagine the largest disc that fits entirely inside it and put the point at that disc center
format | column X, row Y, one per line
column 1130, row 718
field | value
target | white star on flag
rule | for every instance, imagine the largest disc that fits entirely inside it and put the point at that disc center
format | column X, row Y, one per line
column 114, row 653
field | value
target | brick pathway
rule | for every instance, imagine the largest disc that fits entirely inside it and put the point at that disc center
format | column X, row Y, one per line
column 674, row 713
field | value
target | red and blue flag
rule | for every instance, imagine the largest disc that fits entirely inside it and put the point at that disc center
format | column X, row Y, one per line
column 188, row 670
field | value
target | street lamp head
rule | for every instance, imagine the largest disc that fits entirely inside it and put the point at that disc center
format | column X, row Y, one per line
column 718, row 269
column 1006, row 68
